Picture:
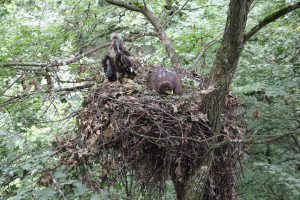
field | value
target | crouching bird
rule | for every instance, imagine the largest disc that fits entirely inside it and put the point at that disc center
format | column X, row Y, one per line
column 117, row 64
column 164, row 81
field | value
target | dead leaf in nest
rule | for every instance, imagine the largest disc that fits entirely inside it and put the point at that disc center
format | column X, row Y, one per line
column 97, row 127
column 226, row 129
column 113, row 165
column 203, row 117
column 146, row 129
column 108, row 134
column 116, row 94
column 108, row 106
column 87, row 129
column 111, row 131
column 131, row 98
column 175, row 108
column 115, row 127
column 199, row 116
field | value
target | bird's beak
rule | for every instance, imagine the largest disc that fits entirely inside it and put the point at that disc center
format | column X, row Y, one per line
column 169, row 92
column 118, row 44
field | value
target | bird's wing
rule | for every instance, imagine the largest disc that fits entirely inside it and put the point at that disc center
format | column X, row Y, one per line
column 108, row 68
column 125, row 61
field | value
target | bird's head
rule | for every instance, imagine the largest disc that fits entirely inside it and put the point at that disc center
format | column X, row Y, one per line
column 116, row 40
column 166, row 88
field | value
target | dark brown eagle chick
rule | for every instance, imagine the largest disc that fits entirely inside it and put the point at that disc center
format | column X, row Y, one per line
column 164, row 81
column 117, row 63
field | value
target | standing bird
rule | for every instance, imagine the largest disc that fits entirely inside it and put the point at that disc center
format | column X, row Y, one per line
column 164, row 81
column 117, row 64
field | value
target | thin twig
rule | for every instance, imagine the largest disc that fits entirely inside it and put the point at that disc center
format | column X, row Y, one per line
column 175, row 13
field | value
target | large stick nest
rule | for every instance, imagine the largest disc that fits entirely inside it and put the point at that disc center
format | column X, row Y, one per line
column 128, row 128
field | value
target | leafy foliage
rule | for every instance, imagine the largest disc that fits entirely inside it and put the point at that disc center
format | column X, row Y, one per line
column 38, row 105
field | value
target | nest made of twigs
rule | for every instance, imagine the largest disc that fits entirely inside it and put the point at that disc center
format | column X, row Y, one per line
column 127, row 127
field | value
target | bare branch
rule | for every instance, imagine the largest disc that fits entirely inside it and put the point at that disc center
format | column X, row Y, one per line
column 157, row 25
column 139, row 35
column 73, row 60
column 271, row 18
column 250, row 141
column 175, row 13
column 163, row 37
column 24, row 96
column 55, row 63
column 3, row 92
column 204, row 48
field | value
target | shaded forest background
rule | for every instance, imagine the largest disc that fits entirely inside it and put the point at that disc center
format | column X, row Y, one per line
column 39, row 101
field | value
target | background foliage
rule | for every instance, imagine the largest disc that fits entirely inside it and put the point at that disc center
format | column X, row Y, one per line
column 34, row 111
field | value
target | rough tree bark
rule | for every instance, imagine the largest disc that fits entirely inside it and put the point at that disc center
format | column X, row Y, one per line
column 224, row 67
column 222, row 73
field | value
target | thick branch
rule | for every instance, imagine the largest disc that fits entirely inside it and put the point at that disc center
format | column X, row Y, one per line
column 157, row 25
column 271, row 18
column 163, row 37
column 124, row 5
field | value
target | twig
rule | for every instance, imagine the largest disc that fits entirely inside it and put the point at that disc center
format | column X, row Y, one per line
column 19, row 97
column 55, row 63
column 204, row 49
column 248, row 141
column 175, row 13
column 71, row 60
column 158, row 27
column 58, row 188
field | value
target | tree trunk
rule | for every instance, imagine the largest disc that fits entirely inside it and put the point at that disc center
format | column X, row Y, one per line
column 197, row 185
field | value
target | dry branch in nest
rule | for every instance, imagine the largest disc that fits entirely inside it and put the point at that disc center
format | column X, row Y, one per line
column 130, row 130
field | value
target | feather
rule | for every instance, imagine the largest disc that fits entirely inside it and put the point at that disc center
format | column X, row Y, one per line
column 109, row 69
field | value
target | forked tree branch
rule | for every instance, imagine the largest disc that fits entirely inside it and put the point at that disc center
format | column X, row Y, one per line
column 156, row 24
column 270, row 18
